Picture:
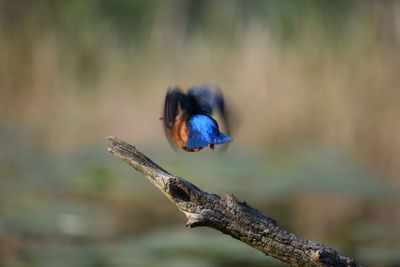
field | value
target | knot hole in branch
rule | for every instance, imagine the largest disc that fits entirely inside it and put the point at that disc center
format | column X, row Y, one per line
column 179, row 193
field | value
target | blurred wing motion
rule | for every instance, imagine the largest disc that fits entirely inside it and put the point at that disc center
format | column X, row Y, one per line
column 208, row 100
column 187, row 118
column 172, row 105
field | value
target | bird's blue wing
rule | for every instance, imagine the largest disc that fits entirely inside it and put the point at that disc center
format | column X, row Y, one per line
column 203, row 131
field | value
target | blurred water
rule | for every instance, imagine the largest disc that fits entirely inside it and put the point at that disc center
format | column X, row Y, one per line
column 87, row 208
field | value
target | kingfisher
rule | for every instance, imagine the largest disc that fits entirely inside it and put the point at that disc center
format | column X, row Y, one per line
column 187, row 118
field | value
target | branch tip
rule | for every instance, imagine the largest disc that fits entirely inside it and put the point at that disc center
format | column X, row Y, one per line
column 112, row 138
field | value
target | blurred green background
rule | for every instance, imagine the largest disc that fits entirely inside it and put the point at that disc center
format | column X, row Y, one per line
column 314, row 86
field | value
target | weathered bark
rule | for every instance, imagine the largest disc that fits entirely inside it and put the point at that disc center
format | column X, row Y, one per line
column 230, row 216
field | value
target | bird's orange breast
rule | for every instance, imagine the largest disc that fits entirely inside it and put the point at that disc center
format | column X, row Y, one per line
column 179, row 130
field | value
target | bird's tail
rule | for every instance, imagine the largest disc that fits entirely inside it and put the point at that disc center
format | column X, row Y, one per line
column 222, row 138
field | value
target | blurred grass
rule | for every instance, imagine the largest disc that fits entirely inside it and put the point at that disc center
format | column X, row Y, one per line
column 314, row 86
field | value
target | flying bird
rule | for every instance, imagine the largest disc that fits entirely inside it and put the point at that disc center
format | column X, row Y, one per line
column 187, row 118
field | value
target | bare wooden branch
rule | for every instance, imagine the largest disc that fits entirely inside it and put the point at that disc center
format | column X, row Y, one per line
column 230, row 216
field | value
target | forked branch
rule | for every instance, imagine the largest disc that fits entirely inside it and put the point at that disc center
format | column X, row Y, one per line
column 230, row 216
